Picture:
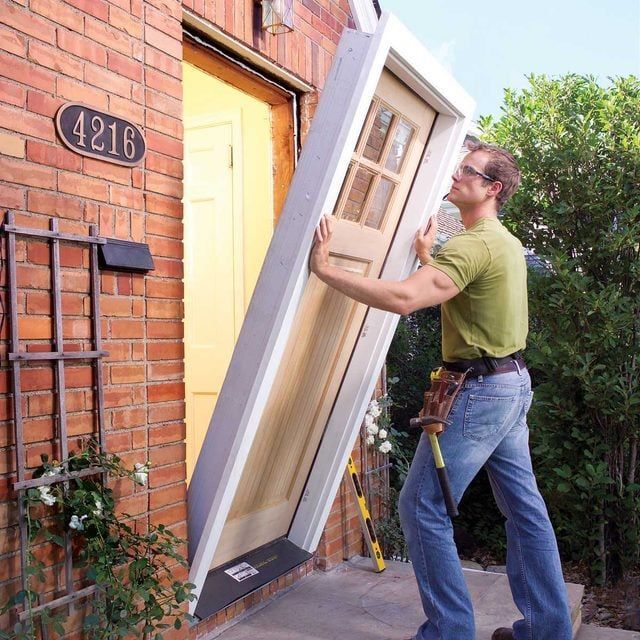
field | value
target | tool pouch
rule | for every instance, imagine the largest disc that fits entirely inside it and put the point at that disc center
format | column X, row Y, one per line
column 438, row 400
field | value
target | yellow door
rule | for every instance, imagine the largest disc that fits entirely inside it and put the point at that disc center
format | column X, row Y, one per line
column 228, row 222
column 327, row 323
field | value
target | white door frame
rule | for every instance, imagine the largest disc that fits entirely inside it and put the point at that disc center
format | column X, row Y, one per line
column 356, row 69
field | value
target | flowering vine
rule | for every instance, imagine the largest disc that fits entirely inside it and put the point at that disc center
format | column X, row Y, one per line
column 136, row 588
column 377, row 422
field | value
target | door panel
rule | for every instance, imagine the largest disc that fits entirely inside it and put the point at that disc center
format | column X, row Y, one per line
column 327, row 324
column 210, row 271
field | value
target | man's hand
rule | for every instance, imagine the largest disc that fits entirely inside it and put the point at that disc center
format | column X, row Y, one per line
column 424, row 239
column 320, row 251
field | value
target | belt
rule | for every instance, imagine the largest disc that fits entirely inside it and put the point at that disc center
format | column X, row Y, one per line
column 487, row 366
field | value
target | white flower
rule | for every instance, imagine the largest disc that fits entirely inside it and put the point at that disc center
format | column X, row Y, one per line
column 385, row 447
column 54, row 471
column 76, row 523
column 368, row 419
column 372, row 429
column 98, row 510
column 382, row 434
column 141, row 472
column 46, row 496
column 370, row 439
column 374, row 409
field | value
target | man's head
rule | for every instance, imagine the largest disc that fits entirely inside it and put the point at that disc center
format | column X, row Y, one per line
column 486, row 173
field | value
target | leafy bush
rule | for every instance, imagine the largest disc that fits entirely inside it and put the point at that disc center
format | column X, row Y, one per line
column 578, row 145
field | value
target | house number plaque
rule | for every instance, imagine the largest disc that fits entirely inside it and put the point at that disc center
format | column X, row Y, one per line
column 100, row 135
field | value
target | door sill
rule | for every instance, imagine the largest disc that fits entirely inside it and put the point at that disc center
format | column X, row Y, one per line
column 242, row 576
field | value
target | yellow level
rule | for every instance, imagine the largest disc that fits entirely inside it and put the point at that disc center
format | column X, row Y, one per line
column 365, row 519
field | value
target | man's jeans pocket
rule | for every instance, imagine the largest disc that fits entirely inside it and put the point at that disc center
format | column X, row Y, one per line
column 485, row 416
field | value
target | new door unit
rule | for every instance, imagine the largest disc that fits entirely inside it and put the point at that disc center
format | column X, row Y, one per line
column 382, row 144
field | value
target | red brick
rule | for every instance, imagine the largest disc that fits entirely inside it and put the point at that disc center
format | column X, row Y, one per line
column 120, row 397
column 167, row 475
column 163, row 329
column 165, row 392
column 166, row 371
column 52, row 156
column 29, row 123
column 159, row 183
column 166, row 433
column 118, row 351
column 112, row 38
column 168, row 495
column 124, row 66
column 163, row 62
column 52, row 58
column 25, row 173
column 82, row 47
column 81, row 92
column 164, row 144
column 126, row 197
column 124, row 21
column 53, row 204
column 42, row 103
column 107, row 80
column 161, row 204
column 11, row 197
column 79, row 376
column 107, row 171
column 128, row 418
column 36, row 379
column 75, row 329
column 166, row 412
column 26, row 73
column 118, row 442
column 126, row 109
column 13, row 42
column 96, row 8
column 126, row 373
column 110, row 306
column 39, row 303
column 171, row 45
column 157, row 121
column 26, row 22
column 59, row 13
column 165, row 350
column 168, row 268
column 166, row 247
column 83, row 186
column 164, row 165
column 77, row 281
column 123, row 329
column 12, row 93
column 165, row 289
column 162, row 82
column 163, row 22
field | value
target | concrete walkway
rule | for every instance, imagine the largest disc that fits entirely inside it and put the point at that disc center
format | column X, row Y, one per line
column 352, row 602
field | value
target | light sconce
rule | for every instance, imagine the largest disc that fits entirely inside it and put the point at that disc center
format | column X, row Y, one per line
column 277, row 16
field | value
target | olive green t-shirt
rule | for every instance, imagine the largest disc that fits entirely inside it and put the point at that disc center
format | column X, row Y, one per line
column 489, row 316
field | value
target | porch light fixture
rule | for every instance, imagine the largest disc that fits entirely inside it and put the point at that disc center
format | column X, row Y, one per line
column 277, row 16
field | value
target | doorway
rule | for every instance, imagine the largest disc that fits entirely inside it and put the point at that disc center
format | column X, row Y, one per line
column 238, row 152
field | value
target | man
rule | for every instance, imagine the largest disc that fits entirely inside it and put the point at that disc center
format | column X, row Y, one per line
column 479, row 277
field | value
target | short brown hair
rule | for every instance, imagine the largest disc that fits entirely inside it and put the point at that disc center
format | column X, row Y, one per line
column 502, row 166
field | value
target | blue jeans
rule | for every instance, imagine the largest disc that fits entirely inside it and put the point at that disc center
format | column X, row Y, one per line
column 488, row 428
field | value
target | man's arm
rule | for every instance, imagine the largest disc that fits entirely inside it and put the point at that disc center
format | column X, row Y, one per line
column 426, row 287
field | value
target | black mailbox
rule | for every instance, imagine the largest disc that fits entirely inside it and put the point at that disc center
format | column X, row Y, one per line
column 124, row 255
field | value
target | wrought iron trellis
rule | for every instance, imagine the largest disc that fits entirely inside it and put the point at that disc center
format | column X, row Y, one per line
column 58, row 356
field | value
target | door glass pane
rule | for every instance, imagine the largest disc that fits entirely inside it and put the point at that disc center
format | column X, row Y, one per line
column 363, row 131
column 357, row 195
column 378, row 134
column 379, row 203
column 399, row 146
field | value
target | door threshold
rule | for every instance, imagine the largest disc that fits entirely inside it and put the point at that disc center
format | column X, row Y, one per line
column 242, row 576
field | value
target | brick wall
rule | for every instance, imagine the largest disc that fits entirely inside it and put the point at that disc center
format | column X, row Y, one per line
column 124, row 57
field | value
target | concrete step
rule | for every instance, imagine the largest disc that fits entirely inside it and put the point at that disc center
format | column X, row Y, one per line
column 352, row 601
column 591, row 632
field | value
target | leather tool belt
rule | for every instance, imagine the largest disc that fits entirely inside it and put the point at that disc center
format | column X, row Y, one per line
column 438, row 399
column 486, row 366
